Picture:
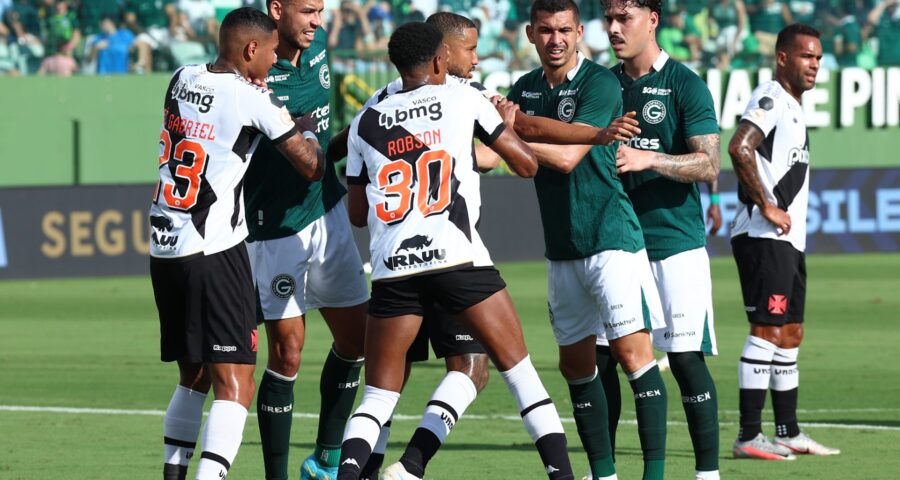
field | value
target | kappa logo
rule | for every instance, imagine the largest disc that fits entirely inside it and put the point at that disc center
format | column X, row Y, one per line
column 654, row 112
column 551, row 469
column 325, row 76
column 566, row 109
column 224, row 348
column 351, row 461
column 777, row 304
column 283, row 285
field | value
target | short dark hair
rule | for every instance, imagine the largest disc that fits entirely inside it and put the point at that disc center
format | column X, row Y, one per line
column 249, row 18
column 450, row 23
column 652, row 5
column 787, row 34
column 413, row 44
column 554, row 6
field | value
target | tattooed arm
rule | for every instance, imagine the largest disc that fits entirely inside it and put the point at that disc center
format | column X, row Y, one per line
column 305, row 155
column 742, row 150
column 701, row 165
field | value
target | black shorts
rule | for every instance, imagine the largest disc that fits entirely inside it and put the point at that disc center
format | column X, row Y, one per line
column 207, row 307
column 454, row 291
column 448, row 337
column 773, row 279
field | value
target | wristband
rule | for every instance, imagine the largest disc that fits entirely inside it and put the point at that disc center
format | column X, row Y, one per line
column 310, row 136
column 714, row 198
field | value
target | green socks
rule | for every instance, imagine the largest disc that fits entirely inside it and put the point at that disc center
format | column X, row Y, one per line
column 591, row 418
column 274, row 409
column 698, row 396
column 650, row 407
column 338, row 385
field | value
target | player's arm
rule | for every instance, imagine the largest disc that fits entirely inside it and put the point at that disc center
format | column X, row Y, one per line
column 337, row 146
column 562, row 158
column 503, row 139
column 742, row 150
column 357, row 205
column 713, row 212
column 547, row 130
column 700, row 165
column 305, row 154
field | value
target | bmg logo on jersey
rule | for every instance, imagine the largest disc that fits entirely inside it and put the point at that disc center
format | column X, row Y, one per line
column 421, row 110
column 204, row 100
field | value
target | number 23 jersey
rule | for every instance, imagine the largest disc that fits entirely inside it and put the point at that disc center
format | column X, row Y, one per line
column 212, row 123
column 413, row 152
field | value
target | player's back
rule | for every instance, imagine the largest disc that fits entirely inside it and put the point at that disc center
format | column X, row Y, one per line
column 212, row 123
column 413, row 150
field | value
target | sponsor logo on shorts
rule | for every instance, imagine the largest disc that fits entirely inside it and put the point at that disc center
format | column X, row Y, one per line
column 623, row 323
column 224, row 348
column 464, row 338
column 777, row 304
column 270, row 409
column 283, row 285
column 648, row 394
column 750, row 308
column 670, row 334
column 696, row 398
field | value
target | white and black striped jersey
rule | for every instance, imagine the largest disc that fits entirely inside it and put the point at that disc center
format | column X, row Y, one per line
column 211, row 125
column 397, row 84
column 782, row 160
column 413, row 151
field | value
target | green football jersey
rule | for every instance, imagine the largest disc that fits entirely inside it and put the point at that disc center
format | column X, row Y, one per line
column 280, row 202
column 586, row 211
column 672, row 105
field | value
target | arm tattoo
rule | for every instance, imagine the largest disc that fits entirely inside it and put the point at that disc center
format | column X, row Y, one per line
column 742, row 150
column 304, row 156
column 701, row 165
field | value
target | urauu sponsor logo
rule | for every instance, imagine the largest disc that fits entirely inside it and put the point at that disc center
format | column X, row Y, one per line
column 416, row 256
column 162, row 226
column 398, row 117
column 416, row 242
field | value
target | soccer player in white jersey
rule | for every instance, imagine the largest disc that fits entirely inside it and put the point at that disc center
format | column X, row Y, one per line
column 213, row 119
column 770, row 153
column 412, row 181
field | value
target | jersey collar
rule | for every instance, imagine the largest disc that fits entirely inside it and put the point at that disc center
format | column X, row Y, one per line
column 661, row 60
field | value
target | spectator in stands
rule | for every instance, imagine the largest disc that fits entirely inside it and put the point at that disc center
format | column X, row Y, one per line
column 24, row 26
column 9, row 52
column 596, row 40
column 804, row 11
column 90, row 12
column 111, row 47
column 347, row 36
column 728, row 22
column 677, row 39
column 62, row 30
column 847, row 36
column 885, row 20
column 514, row 33
column 767, row 18
column 199, row 16
column 380, row 25
column 155, row 22
column 61, row 63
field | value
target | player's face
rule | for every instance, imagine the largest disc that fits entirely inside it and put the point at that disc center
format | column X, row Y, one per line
column 555, row 37
column 801, row 62
column 463, row 57
column 297, row 20
column 630, row 28
column 263, row 55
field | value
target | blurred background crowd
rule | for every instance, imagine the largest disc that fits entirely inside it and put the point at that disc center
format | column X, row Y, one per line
column 106, row 37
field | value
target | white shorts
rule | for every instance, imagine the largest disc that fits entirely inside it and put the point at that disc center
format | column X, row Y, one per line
column 317, row 267
column 610, row 294
column 685, row 289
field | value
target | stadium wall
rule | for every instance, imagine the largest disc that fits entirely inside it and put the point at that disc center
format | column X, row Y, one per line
column 103, row 230
column 103, row 130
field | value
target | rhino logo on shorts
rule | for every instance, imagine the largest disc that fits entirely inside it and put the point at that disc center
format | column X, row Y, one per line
column 417, row 242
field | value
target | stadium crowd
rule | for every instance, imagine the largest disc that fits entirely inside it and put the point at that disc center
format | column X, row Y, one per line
column 105, row 37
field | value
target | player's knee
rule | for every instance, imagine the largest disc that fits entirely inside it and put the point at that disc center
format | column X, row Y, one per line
column 770, row 333
column 792, row 336
column 284, row 359
column 632, row 357
column 350, row 346
column 479, row 371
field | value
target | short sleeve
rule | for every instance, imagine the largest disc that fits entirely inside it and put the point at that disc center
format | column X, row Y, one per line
column 599, row 100
column 695, row 108
column 263, row 111
column 488, row 123
column 763, row 110
column 357, row 174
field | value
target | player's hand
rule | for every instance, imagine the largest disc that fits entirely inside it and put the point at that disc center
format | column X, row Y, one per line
column 632, row 160
column 778, row 217
column 620, row 130
column 506, row 109
column 306, row 122
column 713, row 218
column 259, row 82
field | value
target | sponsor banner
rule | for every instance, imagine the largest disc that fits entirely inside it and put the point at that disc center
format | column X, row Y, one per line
column 104, row 230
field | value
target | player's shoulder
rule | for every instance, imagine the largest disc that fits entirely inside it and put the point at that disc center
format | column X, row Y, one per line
column 769, row 95
column 596, row 73
column 529, row 79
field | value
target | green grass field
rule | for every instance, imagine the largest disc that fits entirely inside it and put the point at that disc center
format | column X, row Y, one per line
column 81, row 358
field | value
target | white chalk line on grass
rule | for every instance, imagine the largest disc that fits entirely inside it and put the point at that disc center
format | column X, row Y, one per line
column 516, row 418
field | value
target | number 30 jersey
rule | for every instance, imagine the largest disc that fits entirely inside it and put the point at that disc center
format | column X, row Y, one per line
column 413, row 151
column 211, row 125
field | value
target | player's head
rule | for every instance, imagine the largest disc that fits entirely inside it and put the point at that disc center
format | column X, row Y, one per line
column 797, row 55
column 631, row 25
column 461, row 37
column 555, row 31
column 247, row 39
column 417, row 48
column 297, row 20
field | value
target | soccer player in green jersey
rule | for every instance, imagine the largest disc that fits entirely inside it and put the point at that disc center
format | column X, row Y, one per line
column 678, row 147
column 599, row 278
column 303, row 255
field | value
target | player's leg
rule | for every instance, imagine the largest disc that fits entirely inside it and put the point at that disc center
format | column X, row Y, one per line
column 395, row 315
column 467, row 374
column 279, row 268
column 233, row 389
column 685, row 290
column 575, row 319
column 337, row 286
column 485, row 308
column 758, row 272
column 612, row 390
column 624, row 286
column 373, row 466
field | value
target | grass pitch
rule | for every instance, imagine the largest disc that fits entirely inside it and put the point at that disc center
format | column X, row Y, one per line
column 82, row 390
